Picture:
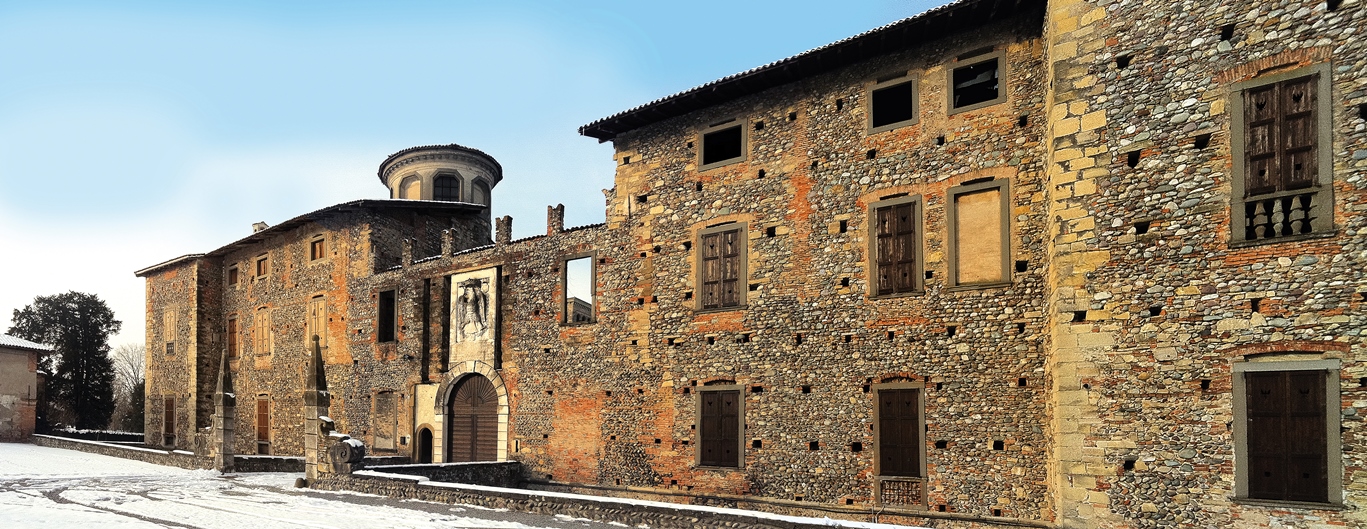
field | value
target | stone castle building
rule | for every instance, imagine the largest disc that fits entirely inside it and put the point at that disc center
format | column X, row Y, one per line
column 1066, row 263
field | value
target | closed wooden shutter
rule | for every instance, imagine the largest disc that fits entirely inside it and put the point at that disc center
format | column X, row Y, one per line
column 168, row 421
column 231, row 333
column 721, row 269
column 719, row 428
column 1280, row 136
column 473, row 428
column 263, row 421
column 899, row 433
column 1287, row 445
column 896, row 248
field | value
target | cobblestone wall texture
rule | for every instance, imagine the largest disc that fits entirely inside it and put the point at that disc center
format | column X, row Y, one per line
column 1092, row 386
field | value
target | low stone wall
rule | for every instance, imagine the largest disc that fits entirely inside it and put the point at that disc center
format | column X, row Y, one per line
column 268, row 464
column 99, row 435
column 374, row 461
column 602, row 509
column 493, row 474
column 172, row 458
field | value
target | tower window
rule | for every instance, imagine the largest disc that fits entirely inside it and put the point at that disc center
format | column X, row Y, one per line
column 977, row 83
column 446, row 189
column 722, row 144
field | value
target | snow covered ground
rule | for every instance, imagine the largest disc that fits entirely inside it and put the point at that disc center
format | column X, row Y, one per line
column 54, row 488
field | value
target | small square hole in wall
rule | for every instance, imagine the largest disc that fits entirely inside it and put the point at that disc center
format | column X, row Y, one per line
column 1123, row 61
column 1020, row 328
column 939, row 386
column 770, row 231
column 633, row 342
column 797, row 339
column 1333, row 5
column 813, row 164
column 756, row 389
column 711, row 340
column 848, row 338
column 1255, row 304
column 1227, row 32
column 996, row 512
column 1201, row 141
column 643, row 254
column 1128, row 464
column 1141, row 227
column 657, row 441
column 687, row 391
column 1022, row 121
column 641, row 199
column 849, row 501
column 546, row 350
column 797, row 498
column 1362, row 382
column 1021, row 382
column 756, row 444
column 614, row 438
column 759, row 174
column 754, row 287
column 1022, row 266
column 951, row 330
column 940, row 140
column 697, row 186
column 1362, row 111
column 806, row 389
column 792, row 116
column 942, row 444
column 941, row 507
column 654, row 299
column 814, row 445
column 998, row 445
column 856, row 447
column 607, row 393
column 839, row 105
column 891, row 335
column 759, row 125
column 873, row 153
column 1079, row 315
column 618, row 481
column 1205, row 384
column 690, row 145
column 688, row 295
column 744, row 337
column 930, row 274
column 640, row 391
column 550, row 391
column 844, row 281
column 687, row 245
column 1155, row 311
column 844, row 226
column 1132, row 158
column 626, row 160
column 672, row 341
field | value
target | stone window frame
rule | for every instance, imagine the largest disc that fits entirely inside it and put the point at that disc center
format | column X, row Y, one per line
column 742, row 299
column 459, row 187
column 488, row 190
column 262, row 265
column 1003, row 70
column 951, row 225
column 256, row 424
column 1323, row 225
column 888, row 81
column 564, row 311
column 261, row 332
column 321, row 241
column 169, row 324
column 919, row 385
column 872, row 250
column 393, row 323
column 737, row 121
column 233, row 277
column 1333, row 420
column 740, row 427
column 406, row 179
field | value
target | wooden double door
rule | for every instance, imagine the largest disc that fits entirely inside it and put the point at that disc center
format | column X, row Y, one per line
column 472, row 421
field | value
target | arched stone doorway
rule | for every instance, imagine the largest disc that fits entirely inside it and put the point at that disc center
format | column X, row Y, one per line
column 472, row 421
column 424, row 448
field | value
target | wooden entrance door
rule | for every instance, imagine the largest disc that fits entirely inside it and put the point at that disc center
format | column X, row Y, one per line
column 472, row 425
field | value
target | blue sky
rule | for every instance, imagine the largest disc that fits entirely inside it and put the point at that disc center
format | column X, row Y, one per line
column 138, row 132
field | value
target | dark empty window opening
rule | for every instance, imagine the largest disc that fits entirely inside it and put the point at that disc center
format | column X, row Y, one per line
column 447, row 188
column 856, row 447
column 849, row 501
column 687, row 245
column 873, row 153
column 930, row 274
column 844, row 281
column 893, row 104
column 1141, row 227
column 1362, row 111
column 1332, row 5
column 385, row 326
column 642, row 199
column 976, row 83
column 626, row 160
column 996, row 512
column 744, row 338
column 1079, row 315
column 1155, row 311
column 1202, row 141
column 609, row 394
column 754, row 287
column 813, row 164
column 848, row 338
column 1132, row 158
column 939, row 386
column 1227, row 32
column 892, row 335
column 814, row 445
column 711, row 340
column 998, row 445
column 1022, row 266
column 844, row 226
column 1020, row 328
column 1123, row 61
column 1255, row 304
column 941, row 507
column 690, row 145
column 756, row 389
column 941, row 444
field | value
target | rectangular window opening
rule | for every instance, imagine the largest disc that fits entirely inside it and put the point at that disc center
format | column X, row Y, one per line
column 232, row 276
column 385, row 326
column 721, row 268
column 892, row 105
column 317, row 249
column 722, row 145
column 975, row 84
column 579, row 284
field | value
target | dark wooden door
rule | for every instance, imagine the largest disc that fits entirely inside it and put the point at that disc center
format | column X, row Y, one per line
column 720, row 429
column 1287, row 449
column 472, row 428
column 899, row 432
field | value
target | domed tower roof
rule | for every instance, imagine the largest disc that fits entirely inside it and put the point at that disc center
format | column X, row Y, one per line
column 453, row 173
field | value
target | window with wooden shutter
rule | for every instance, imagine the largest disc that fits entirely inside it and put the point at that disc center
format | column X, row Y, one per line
column 722, row 267
column 1287, row 449
column 1282, row 162
column 231, row 334
column 895, row 248
column 263, row 426
column 168, row 421
column 262, row 342
column 900, row 445
column 719, row 427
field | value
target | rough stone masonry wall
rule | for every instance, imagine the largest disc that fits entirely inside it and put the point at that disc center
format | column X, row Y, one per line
column 174, row 288
column 1127, row 385
column 811, row 278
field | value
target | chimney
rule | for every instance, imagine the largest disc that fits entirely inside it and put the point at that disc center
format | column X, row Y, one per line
column 256, row 227
column 503, row 230
column 555, row 219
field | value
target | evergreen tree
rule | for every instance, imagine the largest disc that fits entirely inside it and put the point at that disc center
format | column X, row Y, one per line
column 133, row 421
column 78, row 327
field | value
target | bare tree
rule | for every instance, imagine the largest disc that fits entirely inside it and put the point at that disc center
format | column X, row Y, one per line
column 129, row 363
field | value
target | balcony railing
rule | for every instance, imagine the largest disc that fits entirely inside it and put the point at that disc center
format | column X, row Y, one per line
column 901, row 492
column 1284, row 214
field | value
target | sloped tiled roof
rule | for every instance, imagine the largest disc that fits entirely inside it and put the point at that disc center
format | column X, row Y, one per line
column 11, row 342
column 903, row 34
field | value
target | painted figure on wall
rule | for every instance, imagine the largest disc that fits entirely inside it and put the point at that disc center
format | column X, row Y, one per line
column 473, row 310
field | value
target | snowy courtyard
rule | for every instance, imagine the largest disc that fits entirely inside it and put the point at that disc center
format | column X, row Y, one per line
column 49, row 487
